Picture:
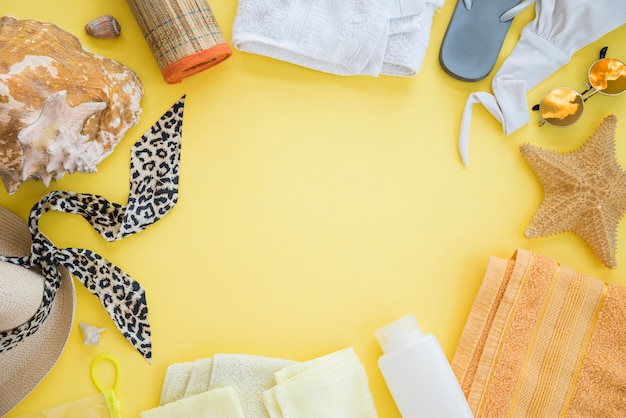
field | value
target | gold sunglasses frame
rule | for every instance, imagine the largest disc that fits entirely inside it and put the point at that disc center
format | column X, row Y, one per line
column 606, row 76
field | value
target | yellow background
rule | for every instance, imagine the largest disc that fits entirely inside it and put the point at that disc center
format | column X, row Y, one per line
column 313, row 209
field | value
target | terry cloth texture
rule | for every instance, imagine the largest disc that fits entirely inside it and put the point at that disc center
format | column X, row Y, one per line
column 367, row 37
column 175, row 382
column 334, row 385
column 186, row 379
column 543, row 340
column 216, row 403
column 249, row 376
column 199, row 377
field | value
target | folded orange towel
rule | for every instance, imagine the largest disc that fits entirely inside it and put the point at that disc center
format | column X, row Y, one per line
column 543, row 340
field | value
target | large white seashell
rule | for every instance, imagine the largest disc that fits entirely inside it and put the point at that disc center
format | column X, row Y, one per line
column 54, row 144
column 62, row 107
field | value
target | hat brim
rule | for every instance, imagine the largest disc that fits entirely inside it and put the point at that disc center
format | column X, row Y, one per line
column 23, row 367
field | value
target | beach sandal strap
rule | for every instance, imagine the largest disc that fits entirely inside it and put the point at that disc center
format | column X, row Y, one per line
column 515, row 10
column 509, row 14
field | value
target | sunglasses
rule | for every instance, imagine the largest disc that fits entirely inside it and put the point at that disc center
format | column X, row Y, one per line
column 563, row 106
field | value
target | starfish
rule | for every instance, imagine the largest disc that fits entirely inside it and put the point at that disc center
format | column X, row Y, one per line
column 584, row 192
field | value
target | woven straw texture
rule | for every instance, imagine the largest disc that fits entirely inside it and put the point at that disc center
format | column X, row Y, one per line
column 176, row 29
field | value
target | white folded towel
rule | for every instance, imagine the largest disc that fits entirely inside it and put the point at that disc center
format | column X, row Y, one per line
column 334, row 385
column 366, row 37
column 409, row 36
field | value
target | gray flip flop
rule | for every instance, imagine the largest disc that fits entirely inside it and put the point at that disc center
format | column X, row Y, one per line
column 475, row 35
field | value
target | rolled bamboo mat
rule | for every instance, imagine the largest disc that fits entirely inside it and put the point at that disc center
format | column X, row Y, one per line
column 183, row 35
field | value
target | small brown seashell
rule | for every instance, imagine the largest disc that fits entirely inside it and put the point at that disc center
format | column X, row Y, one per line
column 103, row 27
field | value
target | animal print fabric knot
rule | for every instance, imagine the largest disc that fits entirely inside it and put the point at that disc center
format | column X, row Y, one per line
column 154, row 170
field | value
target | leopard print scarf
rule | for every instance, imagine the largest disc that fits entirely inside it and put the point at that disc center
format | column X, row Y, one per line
column 154, row 169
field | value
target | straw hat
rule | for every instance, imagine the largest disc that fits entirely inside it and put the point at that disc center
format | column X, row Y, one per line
column 23, row 367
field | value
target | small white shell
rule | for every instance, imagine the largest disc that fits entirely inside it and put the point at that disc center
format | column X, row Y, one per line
column 103, row 27
column 91, row 334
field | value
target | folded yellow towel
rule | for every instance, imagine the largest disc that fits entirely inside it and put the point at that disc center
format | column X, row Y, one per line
column 543, row 340
column 175, row 382
column 249, row 376
column 199, row 377
column 216, row 403
column 334, row 385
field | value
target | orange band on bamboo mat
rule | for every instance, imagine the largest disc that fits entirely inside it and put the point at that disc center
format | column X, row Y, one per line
column 183, row 35
column 187, row 66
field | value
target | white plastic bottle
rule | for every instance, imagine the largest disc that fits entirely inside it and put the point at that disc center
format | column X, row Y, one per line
column 418, row 373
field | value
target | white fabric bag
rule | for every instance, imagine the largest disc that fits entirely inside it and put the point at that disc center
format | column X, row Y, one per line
column 560, row 28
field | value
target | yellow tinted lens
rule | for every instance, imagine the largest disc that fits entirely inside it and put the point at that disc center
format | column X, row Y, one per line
column 561, row 107
column 608, row 76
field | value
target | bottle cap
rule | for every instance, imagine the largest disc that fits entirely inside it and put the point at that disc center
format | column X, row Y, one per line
column 398, row 333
